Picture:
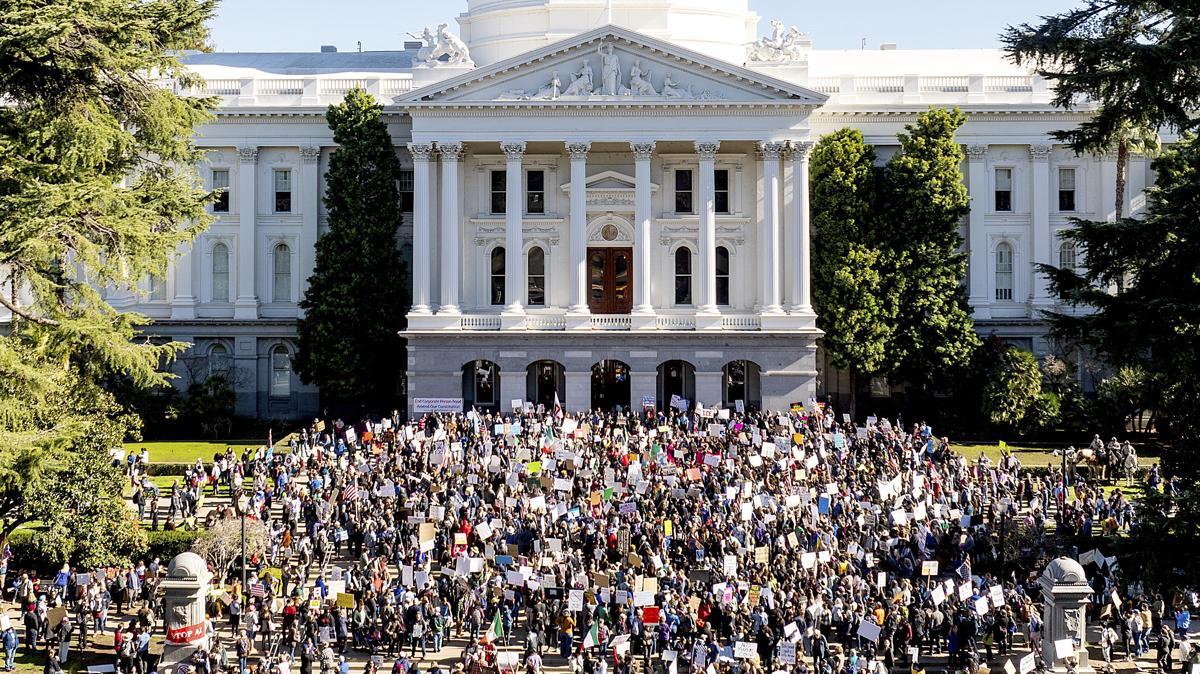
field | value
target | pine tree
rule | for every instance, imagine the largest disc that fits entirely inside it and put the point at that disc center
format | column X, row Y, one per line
column 923, row 203
column 1149, row 326
column 853, row 294
column 1139, row 59
column 97, row 188
column 358, row 295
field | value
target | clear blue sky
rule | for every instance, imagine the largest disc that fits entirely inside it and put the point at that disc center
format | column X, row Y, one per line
column 304, row 25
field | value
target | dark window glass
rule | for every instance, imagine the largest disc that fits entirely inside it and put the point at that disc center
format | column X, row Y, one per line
column 537, row 277
column 1003, row 189
column 406, row 191
column 683, row 276
column 220, row 184
column 498, row 276
column 683, row 191
column 283, row 191
column 721, row 190
column 499, row 187
column 722, row 275
column 535, row 192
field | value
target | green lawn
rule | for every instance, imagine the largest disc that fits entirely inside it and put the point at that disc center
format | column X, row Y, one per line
column 187, row 451
column 1030, row 457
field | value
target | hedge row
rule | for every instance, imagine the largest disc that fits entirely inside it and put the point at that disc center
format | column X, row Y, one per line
column 160, row 544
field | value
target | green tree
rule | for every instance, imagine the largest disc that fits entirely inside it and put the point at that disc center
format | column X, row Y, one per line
column 97, row 188
column 854, row 292
column 1012, row 393
column 1139, row 60
column 923, row 203
column 358, row 294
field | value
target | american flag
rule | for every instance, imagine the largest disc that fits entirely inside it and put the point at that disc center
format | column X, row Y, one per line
column 257, row 590
column 351, row 492
column 964, row 571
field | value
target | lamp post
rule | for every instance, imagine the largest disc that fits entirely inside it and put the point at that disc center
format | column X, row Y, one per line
column 240, row 509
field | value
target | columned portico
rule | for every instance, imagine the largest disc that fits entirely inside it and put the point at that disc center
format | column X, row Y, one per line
column 422, row 236
column 706, row 153
column 451, row 250
column 642, row 153
column 578, row 151
column 514, row 268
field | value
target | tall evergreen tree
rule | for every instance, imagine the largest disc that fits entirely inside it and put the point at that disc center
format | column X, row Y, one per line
column 1150, row 325
column 853, row 293
column 359, row 292
column 924, row 201
column 97, row 188
column 1139, row 59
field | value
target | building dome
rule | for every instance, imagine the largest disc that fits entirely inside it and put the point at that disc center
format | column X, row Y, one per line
column 1064, row 571
column 495, row 30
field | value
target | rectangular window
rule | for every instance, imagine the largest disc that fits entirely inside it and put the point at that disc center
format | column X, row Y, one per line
column 535, row 192
column 499, row 190
column 1004, row 189
column 158, row 288
column 683, row 191
column 1004, row 272
column 220, row 185
column 721, row 190
column 406, row 191
column 283, row 191
column 1066, row 189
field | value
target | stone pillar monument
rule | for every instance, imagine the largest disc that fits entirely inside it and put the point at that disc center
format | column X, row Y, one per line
column 185, row 589
column 1065, row 592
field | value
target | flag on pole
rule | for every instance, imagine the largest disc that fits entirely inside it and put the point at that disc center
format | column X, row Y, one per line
column 351, row 492
column 558, row 413
column 592, row 638
column 495, row 630
column 964, row 571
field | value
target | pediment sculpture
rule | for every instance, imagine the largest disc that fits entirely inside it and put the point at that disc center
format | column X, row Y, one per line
column 442, row 44
column 610, row 83
column 783, row 46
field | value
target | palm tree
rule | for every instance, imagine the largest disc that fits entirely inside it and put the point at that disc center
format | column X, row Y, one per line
column 1131, row 138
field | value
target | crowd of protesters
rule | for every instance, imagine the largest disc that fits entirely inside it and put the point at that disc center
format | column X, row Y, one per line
column 708, row 540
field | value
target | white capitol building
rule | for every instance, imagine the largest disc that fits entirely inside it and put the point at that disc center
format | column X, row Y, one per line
column 607, row 201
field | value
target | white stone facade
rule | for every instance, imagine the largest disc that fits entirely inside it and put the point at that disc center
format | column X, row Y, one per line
column 680, row 266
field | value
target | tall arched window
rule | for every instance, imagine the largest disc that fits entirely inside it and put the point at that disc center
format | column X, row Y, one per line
column 282, row 286
column 1004, row 271
column 1066, row 255
column 218, row 361
column 281, row 372
column 220, row 273
column 497, row 276
column 537, row 277
column 683, row 275
column 722, row 276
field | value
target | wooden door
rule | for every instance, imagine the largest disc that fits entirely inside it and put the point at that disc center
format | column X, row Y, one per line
column 610, row 280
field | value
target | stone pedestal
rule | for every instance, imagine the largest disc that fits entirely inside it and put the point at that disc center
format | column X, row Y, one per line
column 185, row 588
column 1065, row 593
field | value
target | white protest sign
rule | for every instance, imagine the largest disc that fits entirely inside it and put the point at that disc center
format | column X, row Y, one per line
column 575, row 600
column 868, row 630
column 787, row 652
column 744, row 650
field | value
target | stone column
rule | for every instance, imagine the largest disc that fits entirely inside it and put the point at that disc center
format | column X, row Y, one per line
column 183, row 304
column 1039, row 155
column 422, row 229
column 707, row 153
column 772, row 153
column 579, row 391
column 451, row 227
column 579, row 297
column 514, row 239
column 642, row 152
column 1065, row 595
column 246, row 304
column 1108, row 186
column 184, row 591
column 977, row 186
column 802, row 275
column 310, row 204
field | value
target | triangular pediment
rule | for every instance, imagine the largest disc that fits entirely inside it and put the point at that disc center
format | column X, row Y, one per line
column 607, row 66
column 610, row 181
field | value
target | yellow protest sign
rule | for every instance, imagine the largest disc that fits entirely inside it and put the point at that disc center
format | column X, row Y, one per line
column 668, row 527
column 345, row 600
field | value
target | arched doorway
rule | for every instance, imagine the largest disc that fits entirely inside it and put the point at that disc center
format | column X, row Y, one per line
column 543, row 379
column 740, row 381
column 676, row 378
column 610, row 385
column 481, row 385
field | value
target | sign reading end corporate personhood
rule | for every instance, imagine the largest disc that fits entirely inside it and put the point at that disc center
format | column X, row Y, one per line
column 447, row 405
